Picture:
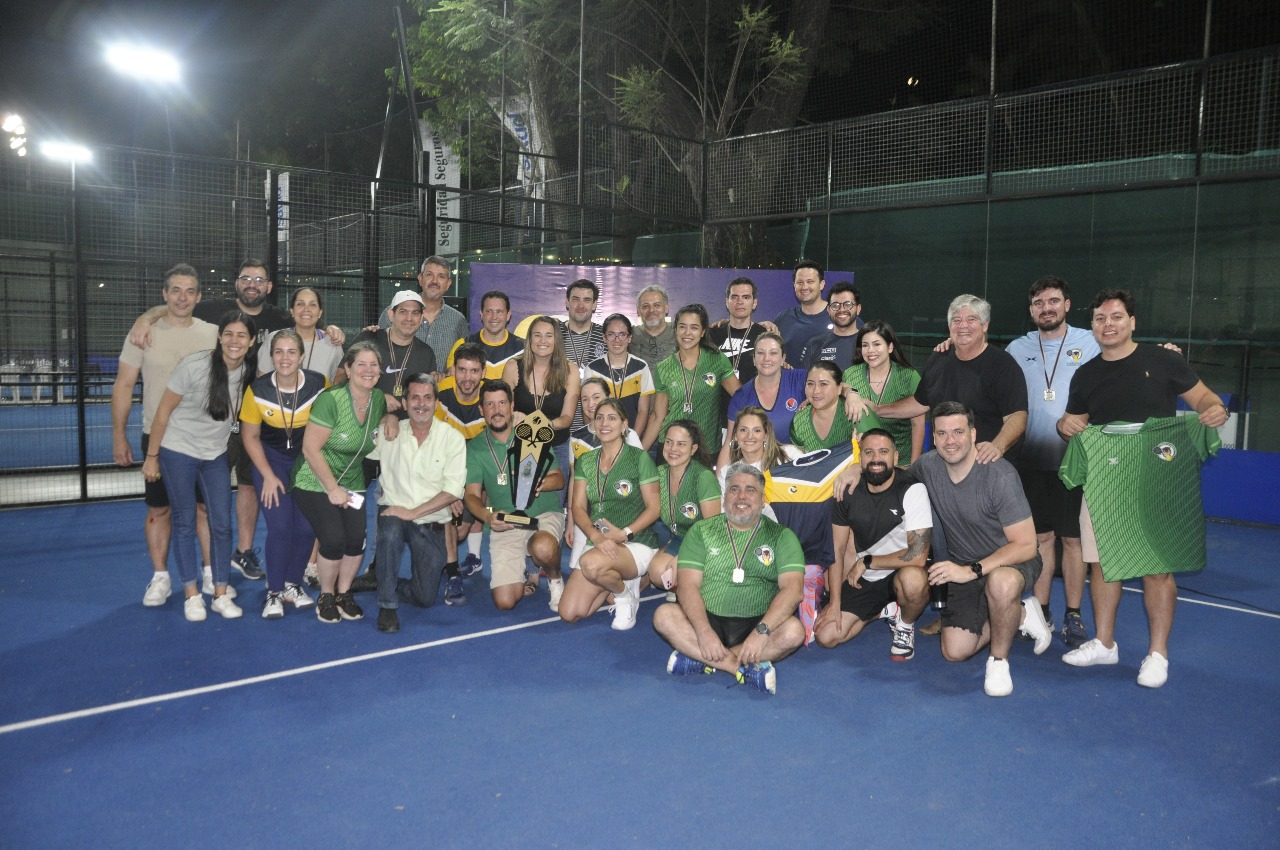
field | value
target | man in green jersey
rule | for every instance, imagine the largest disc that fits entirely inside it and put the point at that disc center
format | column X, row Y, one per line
column 489, row 472
column 1129, row 382
column 741, row 578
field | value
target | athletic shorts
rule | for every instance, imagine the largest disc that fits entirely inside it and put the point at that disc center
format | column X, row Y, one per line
column 732, row 631
column 508, row 549
column 1054, row 507
column 868, row 601
column 967, row 603
column 154, row 494
column 239, row 460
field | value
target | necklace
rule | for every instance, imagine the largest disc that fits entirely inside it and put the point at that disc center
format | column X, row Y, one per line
column 602, row 478
column 673, row 492
column 292, row 408
column 398, row 389
column 689, row 379
column 617, row 376
column 875, row 399
column 501, row 465
column 739, row 575
column 1049, row 376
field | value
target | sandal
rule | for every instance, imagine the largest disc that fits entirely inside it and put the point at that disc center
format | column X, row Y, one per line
column 530, row 584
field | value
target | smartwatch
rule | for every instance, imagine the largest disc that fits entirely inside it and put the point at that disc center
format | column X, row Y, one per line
column 976, row 566
column 763, row 629
column 630, row 534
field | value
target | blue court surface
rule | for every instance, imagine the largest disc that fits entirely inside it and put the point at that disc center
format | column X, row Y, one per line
column 124, row 726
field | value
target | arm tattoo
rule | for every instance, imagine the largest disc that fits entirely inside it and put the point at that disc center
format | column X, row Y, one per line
column 917, row 543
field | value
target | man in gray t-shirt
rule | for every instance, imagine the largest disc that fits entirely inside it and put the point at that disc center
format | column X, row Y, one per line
column 992, row 543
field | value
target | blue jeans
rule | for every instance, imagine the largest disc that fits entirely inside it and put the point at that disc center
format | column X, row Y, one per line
column 182, row 474
column 426, row 561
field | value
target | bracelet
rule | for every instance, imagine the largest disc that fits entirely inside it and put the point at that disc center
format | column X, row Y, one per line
column 154, row 455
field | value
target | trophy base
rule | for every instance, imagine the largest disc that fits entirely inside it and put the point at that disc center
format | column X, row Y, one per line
column 518, row 519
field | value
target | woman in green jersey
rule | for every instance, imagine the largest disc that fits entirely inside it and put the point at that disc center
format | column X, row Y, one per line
column 688, row 383
column 822, row 423
column 882, row 374
column 688, row 491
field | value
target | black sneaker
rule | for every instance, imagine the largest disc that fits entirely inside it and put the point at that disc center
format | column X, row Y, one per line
column 388, row 620
column 347, row 606
column 327, row 609
column 248, row 564
column 366, row 582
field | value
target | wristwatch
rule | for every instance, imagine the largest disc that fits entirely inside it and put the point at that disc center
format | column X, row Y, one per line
column 630, row 534
column 976, row 566
column 866, row 560
column 763, row 629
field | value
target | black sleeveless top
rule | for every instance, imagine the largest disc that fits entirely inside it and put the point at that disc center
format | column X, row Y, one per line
column 552, row 406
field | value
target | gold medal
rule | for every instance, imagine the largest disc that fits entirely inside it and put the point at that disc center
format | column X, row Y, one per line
column 397, row 391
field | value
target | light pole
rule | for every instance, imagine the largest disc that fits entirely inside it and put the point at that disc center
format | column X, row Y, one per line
column 148, row 65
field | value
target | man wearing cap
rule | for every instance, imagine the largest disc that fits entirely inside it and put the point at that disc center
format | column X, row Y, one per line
column 439, row 325
column 403, row 352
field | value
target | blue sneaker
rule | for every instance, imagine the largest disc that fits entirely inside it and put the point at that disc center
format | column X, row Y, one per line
column 453, row 593
column 248, row 564
column 683, row 665
column 470, row 566
column 1073, row 633
column 760, row 676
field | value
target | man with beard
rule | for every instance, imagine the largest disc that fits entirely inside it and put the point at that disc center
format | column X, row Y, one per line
column 741, row 576
column 253, row 285
column 489, row 475
column 992, row 548
column 655, row 340
column 809, row 317
column 1049, row 356
column 423, row 471
column 844, row 305
column 736, row 338
column 881, row 532
column 458, row 403
column 441, row 326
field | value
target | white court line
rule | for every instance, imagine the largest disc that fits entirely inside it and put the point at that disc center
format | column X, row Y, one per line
column 1210, row 604
column 269, row 677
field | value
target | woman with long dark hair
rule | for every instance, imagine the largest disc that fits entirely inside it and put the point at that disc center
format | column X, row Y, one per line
column 687, row 492
column 199, row 409
column 543, row 379
column 882, row 374
column 319, row 352
column 273, row 420
column 690, row 380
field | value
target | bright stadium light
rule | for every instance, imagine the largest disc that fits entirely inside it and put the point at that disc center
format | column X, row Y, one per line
column 66, row 151
column 144, row 63
column 16, row 129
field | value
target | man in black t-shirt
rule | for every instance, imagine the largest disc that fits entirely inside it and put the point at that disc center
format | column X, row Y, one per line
column 403, row 354
column 736, row 338
column 881, row 531
column 844, row 303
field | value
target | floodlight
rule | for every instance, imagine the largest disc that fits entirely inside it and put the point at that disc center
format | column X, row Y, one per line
column 144, row 63
column 66, row 151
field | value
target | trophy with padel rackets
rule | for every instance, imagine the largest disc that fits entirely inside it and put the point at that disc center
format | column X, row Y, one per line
column 531, row 457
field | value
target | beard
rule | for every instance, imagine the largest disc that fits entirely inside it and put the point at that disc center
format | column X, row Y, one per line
column 877, row 476
column 255, row 301
column 745, row 519
column 1050, row 325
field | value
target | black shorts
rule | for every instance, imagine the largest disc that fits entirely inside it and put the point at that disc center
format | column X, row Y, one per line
column 1054, row 507
column 154, row 494
column 967, row 603
column 732, row 631
column 238, row 459
column 867, row 602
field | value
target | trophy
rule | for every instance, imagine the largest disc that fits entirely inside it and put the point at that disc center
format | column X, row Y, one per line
column 531, row 457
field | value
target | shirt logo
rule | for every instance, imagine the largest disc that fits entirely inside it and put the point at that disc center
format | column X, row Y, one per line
column 709, row 378
column 1075, row 354
column 765, row 555
column 893, row 511
column 792, row 404
column 623, row 488
column 269, row 413
column 712, row 551
column 1114, row 461
column 1165, row 451
column 689, row 510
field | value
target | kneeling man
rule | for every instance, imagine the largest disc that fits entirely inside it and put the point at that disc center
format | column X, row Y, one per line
column 992, row 541
column 423, row 469
column 741, row 578
column 881, row 532
column 489, row 472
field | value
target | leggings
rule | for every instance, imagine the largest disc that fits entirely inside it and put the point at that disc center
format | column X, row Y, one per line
column 339, row 530
column 289, row 534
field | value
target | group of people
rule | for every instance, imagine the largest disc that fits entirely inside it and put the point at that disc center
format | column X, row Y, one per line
column 754, row 470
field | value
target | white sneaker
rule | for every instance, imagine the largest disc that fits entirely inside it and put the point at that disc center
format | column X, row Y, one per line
column 193, row 609
column 158, row 590
column 556, row 586
column 226, row 606
column 296, row 596
column 1035, row 626
column 625, row 605
column 889, row 612
column 311, row 575
column 207, row 587
column 1154, row 671
column 1092, row 652
column 273, row 608
column 998, row 683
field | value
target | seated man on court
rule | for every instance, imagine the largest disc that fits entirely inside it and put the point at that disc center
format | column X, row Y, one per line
column 741, row 576
column 489, row 472
column 423, row 470
column 881, row 532
column 991, row 539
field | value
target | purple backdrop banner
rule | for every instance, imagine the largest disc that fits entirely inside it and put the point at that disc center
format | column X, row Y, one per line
column 535, row 289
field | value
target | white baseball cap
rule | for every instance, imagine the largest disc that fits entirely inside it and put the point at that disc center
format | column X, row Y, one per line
column 406, row 295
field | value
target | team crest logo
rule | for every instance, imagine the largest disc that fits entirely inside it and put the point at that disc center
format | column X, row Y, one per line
column 623, row 488
column 269, row 413
column 793, row 489
column 1075, row 354
column 765, row 555
column 792, row 404
column 709, row 378
column 689, row 510
column 1165, row 451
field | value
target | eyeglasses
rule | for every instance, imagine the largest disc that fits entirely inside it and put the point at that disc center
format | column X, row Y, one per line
column 842, row 305
column 244, row 278
column 617, row 335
